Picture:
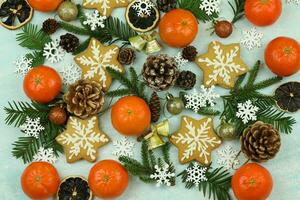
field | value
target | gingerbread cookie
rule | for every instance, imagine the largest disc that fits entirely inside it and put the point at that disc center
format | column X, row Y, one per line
column 221, row 65
column 82, row 138
column 195, row 140
column 105, row 7
column 94, row 61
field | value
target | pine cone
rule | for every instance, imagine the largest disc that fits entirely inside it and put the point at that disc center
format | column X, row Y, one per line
column 186, row 80
column 126, row 56
column 154, row 105
column 189, row 53
column 69, row 42
column 260, row 142
column 84, row 98
column 160, row 72
column 50, row 26
column 166, row 5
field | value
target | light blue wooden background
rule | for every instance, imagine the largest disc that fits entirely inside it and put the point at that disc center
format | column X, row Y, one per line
column 284, row 168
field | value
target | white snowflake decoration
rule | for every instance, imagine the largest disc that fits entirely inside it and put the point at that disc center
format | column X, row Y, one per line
column 181, row 62
column 210, row 6
column 45, row 155
column 94, row 20
column 143, row 7
column 32, row 127
column 227, row 157
column 252, row 38
column 196, row 174
column 123, row 147
column 247, row 111
column 296, row 2
column 53, row 51
column 23, row 65
column 162, row 175
column 70, row 74
column 207, row 97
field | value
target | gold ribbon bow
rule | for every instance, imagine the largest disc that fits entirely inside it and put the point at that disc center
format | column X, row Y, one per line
column 154, row 138
column 146, row 42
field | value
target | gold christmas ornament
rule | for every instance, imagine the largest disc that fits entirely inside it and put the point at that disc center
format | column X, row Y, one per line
column 158, row 131
column 146, row 42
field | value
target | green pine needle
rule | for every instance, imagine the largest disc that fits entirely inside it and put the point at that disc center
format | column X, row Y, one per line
column 118, row 93
column 37, row 58
column 74, row 29
column 237, row 9
column 32, row 37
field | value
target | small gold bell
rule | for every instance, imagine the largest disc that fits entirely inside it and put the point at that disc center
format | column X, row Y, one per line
column 138, row 42
column 155, row 141
column 152, row 47
column 163, row 128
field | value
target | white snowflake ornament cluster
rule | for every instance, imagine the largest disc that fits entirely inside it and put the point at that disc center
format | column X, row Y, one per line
column 94, row 20
column 70, row 74
column 32, row 127
column 45, row 155
column 162, row 175
column 143, row 7
column 252, row 38
column 123, row 147
column 196, row 174
column 227, row 157
column 247, row 111
column 206, row 97
column 23, row 65
column 181, row 62
column 53, row 51
column 210, row 6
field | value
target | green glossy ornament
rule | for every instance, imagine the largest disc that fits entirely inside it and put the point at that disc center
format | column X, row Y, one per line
column 227, row 131
column 175, row 105
column 67, row 11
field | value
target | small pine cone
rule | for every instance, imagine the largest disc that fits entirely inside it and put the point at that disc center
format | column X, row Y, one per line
column 160, row 72
column 69, row 42
column 126, row 56
column 84, row 98
column 50, row 26
column 186, row 80
column 189, row 53
column 154, row 105
column 260, row 142
column 166, row 5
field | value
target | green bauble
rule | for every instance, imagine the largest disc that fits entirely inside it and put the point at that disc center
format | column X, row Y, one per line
column 175, row 105
column 227, row 131
column 67, row 11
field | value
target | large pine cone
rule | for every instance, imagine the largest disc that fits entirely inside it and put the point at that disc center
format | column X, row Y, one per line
column 166, row 5
column 260, row 142
column 160, row 72
column 85, row 98
column 154, row 105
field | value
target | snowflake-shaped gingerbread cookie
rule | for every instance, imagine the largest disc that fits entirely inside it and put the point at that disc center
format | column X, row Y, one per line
column 221, row 65
column 195, row 140
column 82, row 138
column 94, row 61
column 105, row 7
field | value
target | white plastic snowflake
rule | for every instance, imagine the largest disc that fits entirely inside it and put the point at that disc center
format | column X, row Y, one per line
column 143, row 7
column 210, row 6
column 94, row 20
column 32, row 127
column 252, row 38
column 23, row 65
column 207, row 97
column 181, row 62
column 53, row 51
column 247, row 111
column 162, row 175
column 296, row 2
column 70, row 74
column 196, row 174
column 123, row 147
column 227, row 157
column 45, row 155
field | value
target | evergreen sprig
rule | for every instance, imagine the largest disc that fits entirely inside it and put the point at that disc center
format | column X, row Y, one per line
column 193, row 6
column 26, row 147
column 267, row 113
column 145, row 168
column 132, row 86
column 37, row 58
column 237, row 9
column 217, row 185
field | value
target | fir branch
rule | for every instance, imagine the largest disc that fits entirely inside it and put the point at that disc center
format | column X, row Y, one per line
column 82, row 46
column 237, row 9
column 32, row 37
column 253, row 74
column 266, row 83
column 118, row 93
column 208, row 111
column 193, row 6
column 74, row 29
column 145, row 155
column 166, row 152
column 37, row 58
column 25, row 148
